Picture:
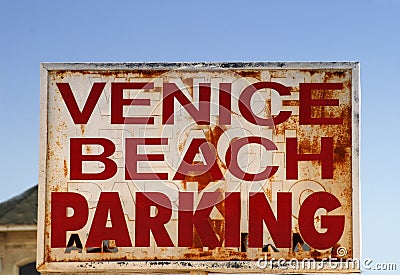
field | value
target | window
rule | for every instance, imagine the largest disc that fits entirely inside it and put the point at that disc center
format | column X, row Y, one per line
column 28, row 269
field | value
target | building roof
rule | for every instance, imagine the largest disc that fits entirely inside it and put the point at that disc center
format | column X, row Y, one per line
column 21, row 209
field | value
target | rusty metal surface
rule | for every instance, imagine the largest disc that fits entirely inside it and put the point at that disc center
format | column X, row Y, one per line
column 59, row 128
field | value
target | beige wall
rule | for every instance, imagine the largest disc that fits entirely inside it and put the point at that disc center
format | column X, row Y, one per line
column 17, row 248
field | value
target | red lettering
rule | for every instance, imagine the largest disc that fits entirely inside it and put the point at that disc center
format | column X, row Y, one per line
column 280, row 227
column 190, row 218
column 145, row 223
column 77, row 158
column 200, row 115
column 225, row 103
column 307, row 103
column 118, row 102
column 245, row 105
column 233, row 165
column 60, row 222
column 333, row 224
column 109, row 204
column 132, row 157
column 199, row 219
column 232, row 219
column 325, row 157
column 77, row 116
column 187, row 167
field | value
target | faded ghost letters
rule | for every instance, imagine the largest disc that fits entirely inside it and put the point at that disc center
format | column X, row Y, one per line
column 109, row 205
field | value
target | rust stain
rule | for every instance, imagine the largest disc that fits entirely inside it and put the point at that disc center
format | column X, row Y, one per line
column 235, row 255
column 61, row 74
column 339, row 153
column 157, row 90
column 205, row 254
column 334, row 251
column 305, row 146
column 149, row 73
column 65, row 168
column 50, row 154
column 182, row 144
column 62, row 126
column 218, row 226
column 279, row 129
column 290, row 103
column 347, row 85
column 268, row 106
column 310, row 72
column 202, row 180
column 331, row 75
column 196, row 240
column 252, row 73
column 213, row 135
column 189, row 84
column 47, row 223
column 56, row 188
column 347, row 194
column 83, row 129
column 268, row 192
column 48, row 254
column 316, row 254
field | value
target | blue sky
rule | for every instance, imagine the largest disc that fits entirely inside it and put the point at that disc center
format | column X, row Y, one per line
column 127, row 31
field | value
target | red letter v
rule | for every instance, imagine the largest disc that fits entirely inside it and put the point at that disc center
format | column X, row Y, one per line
column 94, row 95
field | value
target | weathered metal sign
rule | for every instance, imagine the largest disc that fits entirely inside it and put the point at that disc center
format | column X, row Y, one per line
column 197, row 166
